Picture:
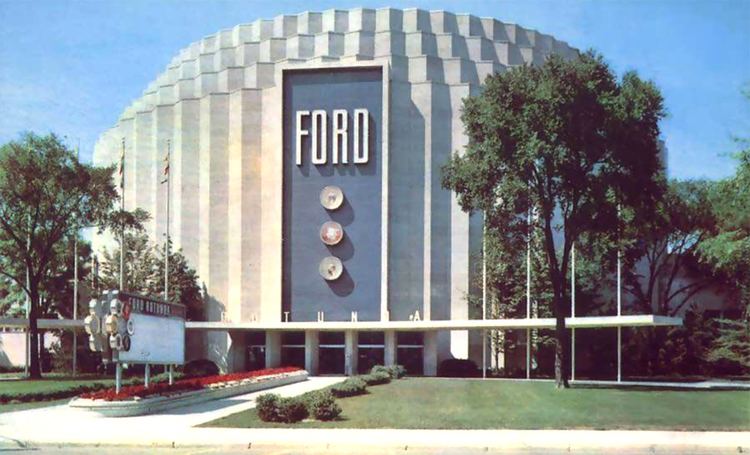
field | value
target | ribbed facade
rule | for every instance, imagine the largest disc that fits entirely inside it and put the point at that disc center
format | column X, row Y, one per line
column 219, row 103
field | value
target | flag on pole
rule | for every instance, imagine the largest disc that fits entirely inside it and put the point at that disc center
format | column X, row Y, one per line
column 166, row 166
column 122, row 165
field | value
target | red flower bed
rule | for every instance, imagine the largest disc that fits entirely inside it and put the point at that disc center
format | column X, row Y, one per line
column 184, row 385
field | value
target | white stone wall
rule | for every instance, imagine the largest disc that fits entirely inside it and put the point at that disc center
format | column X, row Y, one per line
column 219, row 102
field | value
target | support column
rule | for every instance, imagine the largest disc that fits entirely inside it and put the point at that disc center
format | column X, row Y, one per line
column 619, row 354
column 273, row 349
column 390, row 348
column 312, row 351
column 572, row 354
column 429, row 366
column 236, row 352
column 351, row 352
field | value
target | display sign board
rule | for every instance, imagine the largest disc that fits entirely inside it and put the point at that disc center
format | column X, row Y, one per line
column 130, row 328
column 332, row 193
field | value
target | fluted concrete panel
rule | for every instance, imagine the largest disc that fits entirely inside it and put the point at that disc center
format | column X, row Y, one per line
column 143, row 166
column 416, row 20
column 359, row 43
column 420, row 43
column 335, row 20
column 284, row 26
column 443, row 22
column 470, row 25
column 186, row 160
column 361, row 19
column 389, row 19
column 161, row 133
column 309, row 23
column 241, row 34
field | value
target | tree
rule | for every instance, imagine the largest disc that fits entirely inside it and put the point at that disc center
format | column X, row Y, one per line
column 728, row 252
column 140, row 264
column 667, row 243
column 570, row 142
column 144, row 273
column 46, row 196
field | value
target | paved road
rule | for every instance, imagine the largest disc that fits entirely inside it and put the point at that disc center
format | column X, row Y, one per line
column 346, row 450
column 62, row 430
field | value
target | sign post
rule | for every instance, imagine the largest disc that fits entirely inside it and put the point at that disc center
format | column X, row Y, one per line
column 133, row 329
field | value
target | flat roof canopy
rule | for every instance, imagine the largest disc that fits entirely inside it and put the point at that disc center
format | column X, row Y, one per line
column 584, row 322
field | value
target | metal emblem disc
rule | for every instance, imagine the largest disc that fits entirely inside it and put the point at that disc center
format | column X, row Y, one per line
column 331, row 197
column 331, row 268
column 331, row 233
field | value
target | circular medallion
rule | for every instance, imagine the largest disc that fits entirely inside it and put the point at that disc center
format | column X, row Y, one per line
column 331, row 268
column 331, row 233
column 125, row 343
column 115, row 306
column 110, row 324
column 130, row 327
column 91, row 324
column 331, row 197
column 126, row 309
column 115, row 341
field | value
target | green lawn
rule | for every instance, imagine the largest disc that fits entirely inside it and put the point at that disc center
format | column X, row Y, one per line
column 50, row 383
column 475, row 404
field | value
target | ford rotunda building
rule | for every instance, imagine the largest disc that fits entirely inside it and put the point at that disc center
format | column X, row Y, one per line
column 305, row 167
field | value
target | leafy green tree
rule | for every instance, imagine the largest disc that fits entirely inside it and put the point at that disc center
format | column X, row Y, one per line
column 570, row 142
column 140, row 264
column 728, row 252
column 46, row 196
column 183, row 284
column 667, row 243
column 144, row 273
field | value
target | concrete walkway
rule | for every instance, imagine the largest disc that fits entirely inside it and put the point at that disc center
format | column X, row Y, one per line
column 176, row 428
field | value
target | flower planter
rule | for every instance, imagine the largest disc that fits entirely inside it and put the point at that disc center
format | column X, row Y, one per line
column 158, row 403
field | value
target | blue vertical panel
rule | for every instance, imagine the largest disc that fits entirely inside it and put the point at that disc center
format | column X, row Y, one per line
column 305, row 292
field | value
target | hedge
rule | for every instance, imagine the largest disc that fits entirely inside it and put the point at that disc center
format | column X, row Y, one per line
column 349, row 388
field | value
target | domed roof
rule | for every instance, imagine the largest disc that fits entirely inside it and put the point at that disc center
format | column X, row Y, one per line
column 433, row 45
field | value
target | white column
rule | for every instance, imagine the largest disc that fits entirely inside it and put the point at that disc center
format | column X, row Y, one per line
column 619, row 313
column 390, row 348
column 429, row 365
column 484, row 300
column 312, row 351
column 351, row 352
column 573, row 311
column 528, row 296
column 273, row 349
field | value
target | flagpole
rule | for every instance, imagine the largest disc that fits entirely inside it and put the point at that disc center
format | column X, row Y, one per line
column 166, row 246
column 122, row 209
column 75, row 285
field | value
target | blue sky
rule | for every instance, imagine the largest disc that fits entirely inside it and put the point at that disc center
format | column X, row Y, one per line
column 72, row 66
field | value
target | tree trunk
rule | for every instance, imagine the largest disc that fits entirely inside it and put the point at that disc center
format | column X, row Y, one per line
column 561, row 339
column 34, row 371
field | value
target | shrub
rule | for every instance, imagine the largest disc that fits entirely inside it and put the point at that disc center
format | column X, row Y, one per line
column 267, row 406
column 292, row 410
column 395, row 371
column 398, row 371
column 458, row 368
column 349, row 388
column 322, row 405
column 200, row 367
column 381, row 377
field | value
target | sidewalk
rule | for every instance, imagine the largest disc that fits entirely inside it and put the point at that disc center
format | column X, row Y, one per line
column 176, row 428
